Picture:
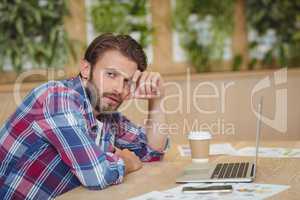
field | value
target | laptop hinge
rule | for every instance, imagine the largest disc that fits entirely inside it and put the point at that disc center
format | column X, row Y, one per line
column 252, row 170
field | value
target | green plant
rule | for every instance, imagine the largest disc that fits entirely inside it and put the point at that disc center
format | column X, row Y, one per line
column 32, row 32
column 283, row 17
column 122, row 17
column 203, row 26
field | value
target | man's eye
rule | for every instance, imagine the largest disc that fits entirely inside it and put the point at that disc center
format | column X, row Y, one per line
column 110, row 74
column 127, row 82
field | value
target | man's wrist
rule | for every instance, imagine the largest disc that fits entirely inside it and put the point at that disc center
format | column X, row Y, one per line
column 155, row 103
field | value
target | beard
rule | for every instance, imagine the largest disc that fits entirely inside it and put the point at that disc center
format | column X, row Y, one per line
column 97, row 100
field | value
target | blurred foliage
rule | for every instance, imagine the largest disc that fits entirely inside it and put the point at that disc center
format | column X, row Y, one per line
column 282, row 16
column 32, row 31
column 122, row 17
column 187, row 19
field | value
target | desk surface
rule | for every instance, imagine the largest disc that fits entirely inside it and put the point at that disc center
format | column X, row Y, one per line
column 162, row 175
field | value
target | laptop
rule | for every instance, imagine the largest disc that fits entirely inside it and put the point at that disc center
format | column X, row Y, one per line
column 224, row 172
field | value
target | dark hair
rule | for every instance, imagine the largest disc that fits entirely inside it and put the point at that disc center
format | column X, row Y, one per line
column 123, row 43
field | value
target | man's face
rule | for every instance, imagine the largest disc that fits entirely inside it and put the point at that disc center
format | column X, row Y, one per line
column 111, row 78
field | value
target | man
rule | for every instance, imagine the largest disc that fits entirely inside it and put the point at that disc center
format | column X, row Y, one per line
column 68, row 133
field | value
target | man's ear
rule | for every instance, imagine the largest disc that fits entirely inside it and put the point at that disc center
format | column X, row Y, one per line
column 85, row 68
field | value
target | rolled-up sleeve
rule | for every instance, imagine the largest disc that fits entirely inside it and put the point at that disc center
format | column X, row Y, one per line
column 64, row 126
column 134, row 138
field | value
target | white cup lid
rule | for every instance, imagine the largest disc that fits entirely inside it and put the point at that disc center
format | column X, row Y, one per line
column 199, row 135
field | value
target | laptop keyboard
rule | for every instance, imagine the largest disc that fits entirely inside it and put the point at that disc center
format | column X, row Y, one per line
column 230, row 170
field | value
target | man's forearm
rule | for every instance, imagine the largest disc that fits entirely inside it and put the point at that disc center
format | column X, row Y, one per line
column 155, row 125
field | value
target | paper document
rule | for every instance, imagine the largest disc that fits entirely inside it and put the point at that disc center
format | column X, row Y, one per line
column 227, row 149
column 214, row 149
column 241, row 191
column 270, row 152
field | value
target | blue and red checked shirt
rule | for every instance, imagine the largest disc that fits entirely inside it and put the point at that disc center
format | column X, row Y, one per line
column 53, row 143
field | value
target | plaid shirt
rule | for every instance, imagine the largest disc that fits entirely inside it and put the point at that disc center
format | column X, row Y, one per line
column 53, row 143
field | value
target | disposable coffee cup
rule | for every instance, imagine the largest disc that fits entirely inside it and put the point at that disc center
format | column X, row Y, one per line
column 199, row 143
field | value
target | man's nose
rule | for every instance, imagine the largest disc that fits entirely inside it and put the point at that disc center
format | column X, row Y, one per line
column 119, row 86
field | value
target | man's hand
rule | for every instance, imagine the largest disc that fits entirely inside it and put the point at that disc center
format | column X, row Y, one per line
column 147, row 85
column 132, row 162
column 150, row 86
